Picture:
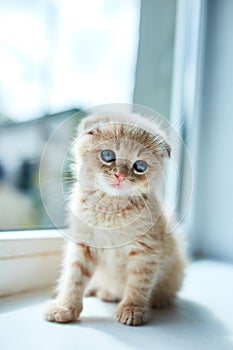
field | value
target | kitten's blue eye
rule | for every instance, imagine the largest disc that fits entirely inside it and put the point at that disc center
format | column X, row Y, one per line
column 140, row 166
column 107, row 156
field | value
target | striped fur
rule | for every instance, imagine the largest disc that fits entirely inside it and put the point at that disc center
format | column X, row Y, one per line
column 148, row 270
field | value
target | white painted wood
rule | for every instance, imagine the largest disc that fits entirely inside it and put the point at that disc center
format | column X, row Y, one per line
column 18, row 275
column 29, row 260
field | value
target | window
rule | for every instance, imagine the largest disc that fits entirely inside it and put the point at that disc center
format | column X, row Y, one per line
column 57, row 59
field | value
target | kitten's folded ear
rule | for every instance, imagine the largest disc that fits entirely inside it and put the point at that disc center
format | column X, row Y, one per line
column 87, row 124
column 162, row 144
column 166, row 148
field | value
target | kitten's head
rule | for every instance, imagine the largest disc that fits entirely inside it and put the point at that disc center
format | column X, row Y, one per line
column 119, row 155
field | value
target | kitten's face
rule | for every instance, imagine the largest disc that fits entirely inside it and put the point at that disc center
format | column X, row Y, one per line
column 119, row 160
column 124, row 168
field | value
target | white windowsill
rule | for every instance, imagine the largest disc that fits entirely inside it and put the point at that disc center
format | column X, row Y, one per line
column 29, row 234
column 201, row 319
column 24, row 258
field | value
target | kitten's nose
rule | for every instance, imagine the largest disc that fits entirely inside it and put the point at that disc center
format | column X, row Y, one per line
column 120, row 176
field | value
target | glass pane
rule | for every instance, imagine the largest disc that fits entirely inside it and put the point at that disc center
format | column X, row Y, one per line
column 56, row 58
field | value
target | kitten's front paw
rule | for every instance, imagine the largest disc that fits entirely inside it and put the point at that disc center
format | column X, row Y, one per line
column 132, row 315
column 56, row 312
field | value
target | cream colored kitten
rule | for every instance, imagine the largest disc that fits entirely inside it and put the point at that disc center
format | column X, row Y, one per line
column 125, row 252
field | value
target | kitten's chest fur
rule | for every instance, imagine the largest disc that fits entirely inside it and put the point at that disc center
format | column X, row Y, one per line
column 110, row 222
column 109, row 212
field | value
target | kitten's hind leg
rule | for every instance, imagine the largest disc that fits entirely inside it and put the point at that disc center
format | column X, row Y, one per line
column 98, row 287
column 166, row 288
column 94, row 285
column 105, row 295
column 91, row 292
column 161, row 299
column 102, row 293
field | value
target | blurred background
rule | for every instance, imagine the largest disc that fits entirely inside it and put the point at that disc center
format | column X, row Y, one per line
column 56, row 58
column 175, row 56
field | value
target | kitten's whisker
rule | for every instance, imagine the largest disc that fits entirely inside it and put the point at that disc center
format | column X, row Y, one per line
column 176, row 124
column 107, row 177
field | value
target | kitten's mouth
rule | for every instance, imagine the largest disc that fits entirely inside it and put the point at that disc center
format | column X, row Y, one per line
column 120, row 177
column 114, row 186
column 117, row 185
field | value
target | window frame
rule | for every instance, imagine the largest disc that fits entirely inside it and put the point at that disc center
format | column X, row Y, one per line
column 186, row 103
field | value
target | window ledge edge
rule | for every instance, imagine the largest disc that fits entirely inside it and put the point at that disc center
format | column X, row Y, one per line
column 30, row 235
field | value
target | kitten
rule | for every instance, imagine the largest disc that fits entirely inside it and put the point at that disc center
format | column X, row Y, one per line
column 125, row 252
